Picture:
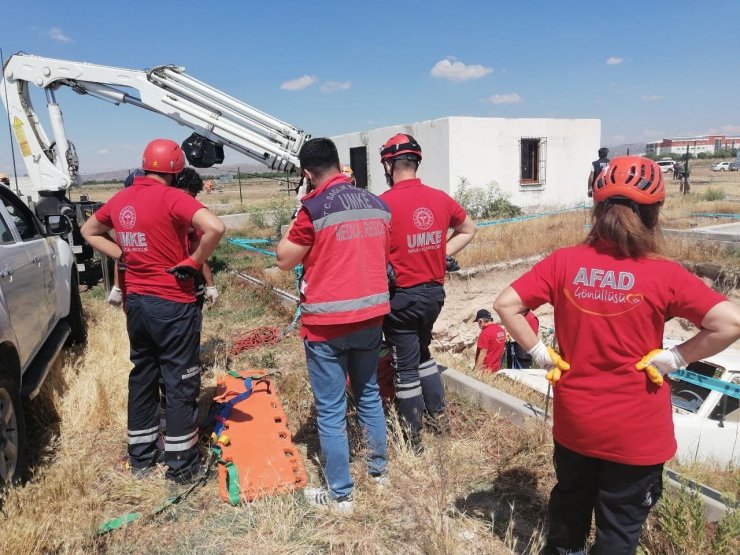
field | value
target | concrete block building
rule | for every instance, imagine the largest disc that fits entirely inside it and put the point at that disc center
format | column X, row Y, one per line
column 535, row 162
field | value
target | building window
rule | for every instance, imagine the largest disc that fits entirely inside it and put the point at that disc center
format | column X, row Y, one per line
column 532, row 168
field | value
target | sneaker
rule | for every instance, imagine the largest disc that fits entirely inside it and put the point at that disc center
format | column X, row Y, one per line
column 319, row 497
column 380, row 480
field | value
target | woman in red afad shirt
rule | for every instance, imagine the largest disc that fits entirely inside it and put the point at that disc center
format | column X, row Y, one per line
column 613, row 425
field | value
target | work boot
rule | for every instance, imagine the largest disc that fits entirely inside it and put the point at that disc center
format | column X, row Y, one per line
column 439, row 424
column 413, row 442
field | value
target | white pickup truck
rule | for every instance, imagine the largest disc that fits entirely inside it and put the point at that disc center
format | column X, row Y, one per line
column 40, row 312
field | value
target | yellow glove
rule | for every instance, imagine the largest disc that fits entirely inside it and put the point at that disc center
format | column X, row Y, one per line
column 549, row 359
column 659, row 362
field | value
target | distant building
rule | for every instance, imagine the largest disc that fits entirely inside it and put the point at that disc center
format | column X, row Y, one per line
column 534, row 161
column 707, row 144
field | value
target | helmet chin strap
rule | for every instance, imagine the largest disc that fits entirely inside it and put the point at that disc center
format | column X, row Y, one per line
column 389, row 176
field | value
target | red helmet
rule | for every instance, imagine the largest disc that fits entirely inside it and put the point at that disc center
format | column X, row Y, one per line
column 632, row 177
column 400, row 145
column 163, row 156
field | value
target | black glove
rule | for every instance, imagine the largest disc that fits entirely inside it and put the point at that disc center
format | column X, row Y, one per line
column 391, row 273
column 187, row 269
column 452, row 265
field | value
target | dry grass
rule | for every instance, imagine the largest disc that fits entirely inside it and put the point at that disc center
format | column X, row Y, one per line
column 481, row 491
column 257, row 194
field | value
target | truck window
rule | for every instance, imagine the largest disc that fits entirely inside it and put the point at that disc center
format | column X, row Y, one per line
column 22, row 218
column 729, row 406
column 689, row 396
column 6, row 236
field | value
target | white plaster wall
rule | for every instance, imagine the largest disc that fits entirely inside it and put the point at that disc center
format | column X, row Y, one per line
column 432, row 135
column 486, row 150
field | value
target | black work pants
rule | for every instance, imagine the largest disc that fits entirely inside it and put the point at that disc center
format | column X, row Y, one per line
column 408, row 330
column 165, row 338
column 621, row 495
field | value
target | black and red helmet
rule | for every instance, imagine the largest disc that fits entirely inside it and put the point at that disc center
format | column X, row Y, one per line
column 630, row 177
column 400, row 146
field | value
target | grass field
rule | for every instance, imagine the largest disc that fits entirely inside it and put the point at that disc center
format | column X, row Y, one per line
column 482, row 490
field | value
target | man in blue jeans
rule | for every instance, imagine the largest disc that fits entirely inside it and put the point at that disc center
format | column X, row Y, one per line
column 341, row 236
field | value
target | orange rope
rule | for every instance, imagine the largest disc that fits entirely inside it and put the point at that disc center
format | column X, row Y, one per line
column 255, row 338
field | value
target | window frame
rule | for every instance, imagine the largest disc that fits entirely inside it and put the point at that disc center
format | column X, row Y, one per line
column 539, row 164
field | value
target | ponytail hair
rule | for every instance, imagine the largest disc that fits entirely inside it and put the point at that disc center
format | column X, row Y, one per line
column 630, row 229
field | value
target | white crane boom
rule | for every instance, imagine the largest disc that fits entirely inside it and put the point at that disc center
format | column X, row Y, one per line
column 216, row 118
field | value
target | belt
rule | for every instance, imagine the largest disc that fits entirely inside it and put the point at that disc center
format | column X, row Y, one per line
column 426, row 285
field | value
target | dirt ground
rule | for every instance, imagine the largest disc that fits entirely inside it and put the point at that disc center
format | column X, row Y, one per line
column 456, row 332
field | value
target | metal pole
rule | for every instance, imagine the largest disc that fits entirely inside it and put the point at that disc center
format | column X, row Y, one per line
column 10, row 130
column 239, row 178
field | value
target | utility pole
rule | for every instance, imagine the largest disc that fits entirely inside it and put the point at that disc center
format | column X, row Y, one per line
column 239, row 178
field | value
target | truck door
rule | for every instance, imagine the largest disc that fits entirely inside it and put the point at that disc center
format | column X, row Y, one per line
column 25, row 275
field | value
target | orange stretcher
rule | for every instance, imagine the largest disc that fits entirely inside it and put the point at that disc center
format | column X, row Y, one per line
column 256, row 453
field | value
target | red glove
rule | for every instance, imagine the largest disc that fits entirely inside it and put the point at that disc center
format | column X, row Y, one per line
column 187, row 269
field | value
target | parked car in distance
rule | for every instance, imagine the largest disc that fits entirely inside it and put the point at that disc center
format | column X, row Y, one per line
column 720, row 167
column 734, row 166
column 40, row 312
column 666, row 165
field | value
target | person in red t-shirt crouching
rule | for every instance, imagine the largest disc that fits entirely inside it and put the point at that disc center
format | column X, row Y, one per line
column 151, row 220
column 613, row 424
column 491, row 342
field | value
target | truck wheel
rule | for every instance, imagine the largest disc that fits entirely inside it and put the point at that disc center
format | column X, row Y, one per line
column 76, row 318
column 12, row 433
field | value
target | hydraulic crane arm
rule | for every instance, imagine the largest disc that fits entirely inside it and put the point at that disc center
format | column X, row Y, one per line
column 216, row 118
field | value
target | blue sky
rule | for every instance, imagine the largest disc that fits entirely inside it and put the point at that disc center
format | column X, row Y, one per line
column 647, row 69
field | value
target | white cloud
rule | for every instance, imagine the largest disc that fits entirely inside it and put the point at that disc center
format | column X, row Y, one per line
column 103, row 151
column 299, row 83
column 58, row 35
column 731, row 129
column 455, row 70
column 614, row 60
column 651, row 97
column 334, row 86
column 510, row 98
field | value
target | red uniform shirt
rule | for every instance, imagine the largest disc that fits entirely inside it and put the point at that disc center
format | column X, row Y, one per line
column 492, row 338
column 420, row 218
column 151, row 222
column 609, row 313
column 303, row 233
column 533, row 321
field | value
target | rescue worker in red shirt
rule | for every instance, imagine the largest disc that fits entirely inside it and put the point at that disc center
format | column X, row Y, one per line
column 341, row 235
column 205, row 286
column 517, row 357
column 151, row 220
column 421, row 218
column 613, row 425
column 491, row 342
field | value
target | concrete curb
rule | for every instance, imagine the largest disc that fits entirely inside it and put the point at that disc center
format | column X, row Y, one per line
column 489, row 397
